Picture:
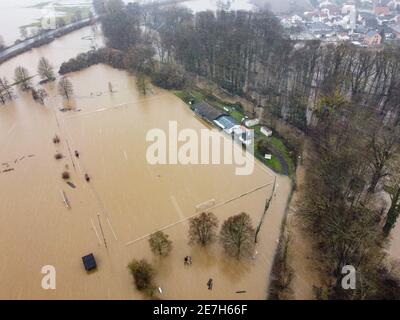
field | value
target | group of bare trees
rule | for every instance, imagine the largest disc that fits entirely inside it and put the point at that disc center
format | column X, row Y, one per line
column 23, row 79
column 237, row 237
column 6, row 91
column 247, row 53
column 45, row 70
column 237, row 234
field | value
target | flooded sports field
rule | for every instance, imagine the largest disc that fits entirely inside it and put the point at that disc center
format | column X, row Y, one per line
column 45, row 221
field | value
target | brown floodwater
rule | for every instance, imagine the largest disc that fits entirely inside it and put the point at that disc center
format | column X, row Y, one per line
column 127, row 198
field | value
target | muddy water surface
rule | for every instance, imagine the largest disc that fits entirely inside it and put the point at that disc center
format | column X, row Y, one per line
column 126, row 199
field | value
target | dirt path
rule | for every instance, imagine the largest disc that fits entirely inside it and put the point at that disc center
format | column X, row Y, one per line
column 301, row 255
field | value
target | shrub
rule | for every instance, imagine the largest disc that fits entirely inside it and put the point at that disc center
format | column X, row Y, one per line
column 160, row 244
column 202, row 229
column 263, row 147
column 143, row 274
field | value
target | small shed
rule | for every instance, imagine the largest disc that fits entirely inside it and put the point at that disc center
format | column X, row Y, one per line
column 265, row 131
column 89, row 262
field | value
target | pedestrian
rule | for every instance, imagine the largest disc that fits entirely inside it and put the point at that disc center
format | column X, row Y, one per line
column 76, row 154
column 186, row 261
column 210, row 284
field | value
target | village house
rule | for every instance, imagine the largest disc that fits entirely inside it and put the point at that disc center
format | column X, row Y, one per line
column 396, row 30
column 382, row 10
column 372, row 38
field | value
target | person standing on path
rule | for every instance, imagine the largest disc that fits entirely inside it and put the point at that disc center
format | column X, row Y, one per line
column 210, row 284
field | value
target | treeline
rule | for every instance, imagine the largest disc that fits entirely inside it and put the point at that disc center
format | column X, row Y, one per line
column 247, row 53
column 137, row 59
column 23, row 80
column 114, row 58
column 352, row 152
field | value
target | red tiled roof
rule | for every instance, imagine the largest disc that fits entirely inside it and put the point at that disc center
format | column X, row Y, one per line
column 382, row 10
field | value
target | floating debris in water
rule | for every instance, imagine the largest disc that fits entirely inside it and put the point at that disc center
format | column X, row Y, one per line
column 65, row 175
column 65, row 199
column 56, row 139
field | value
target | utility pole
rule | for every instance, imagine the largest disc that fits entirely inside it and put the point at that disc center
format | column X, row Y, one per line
column 101, row 229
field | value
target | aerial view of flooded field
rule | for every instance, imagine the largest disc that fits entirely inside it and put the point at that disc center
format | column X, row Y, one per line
column 199, row 150
column 127, row 198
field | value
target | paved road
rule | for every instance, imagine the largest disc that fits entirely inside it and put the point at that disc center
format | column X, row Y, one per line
column 25, row 45
column 20, row 47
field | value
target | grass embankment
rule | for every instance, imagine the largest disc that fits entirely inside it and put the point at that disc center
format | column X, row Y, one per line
column 281, row 161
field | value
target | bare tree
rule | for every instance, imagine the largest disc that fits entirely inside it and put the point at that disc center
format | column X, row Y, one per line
column 39, row 95
column 6, row 91
column 237, row 236
column 23, row 32
column 2, row 97
column 160, row 244
column 22, row 78
column 393, row 188
column 45, row 70
column 202, row 229
column 383, row 146
column 282, row 272
column 6, row 88
column 65, row 88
